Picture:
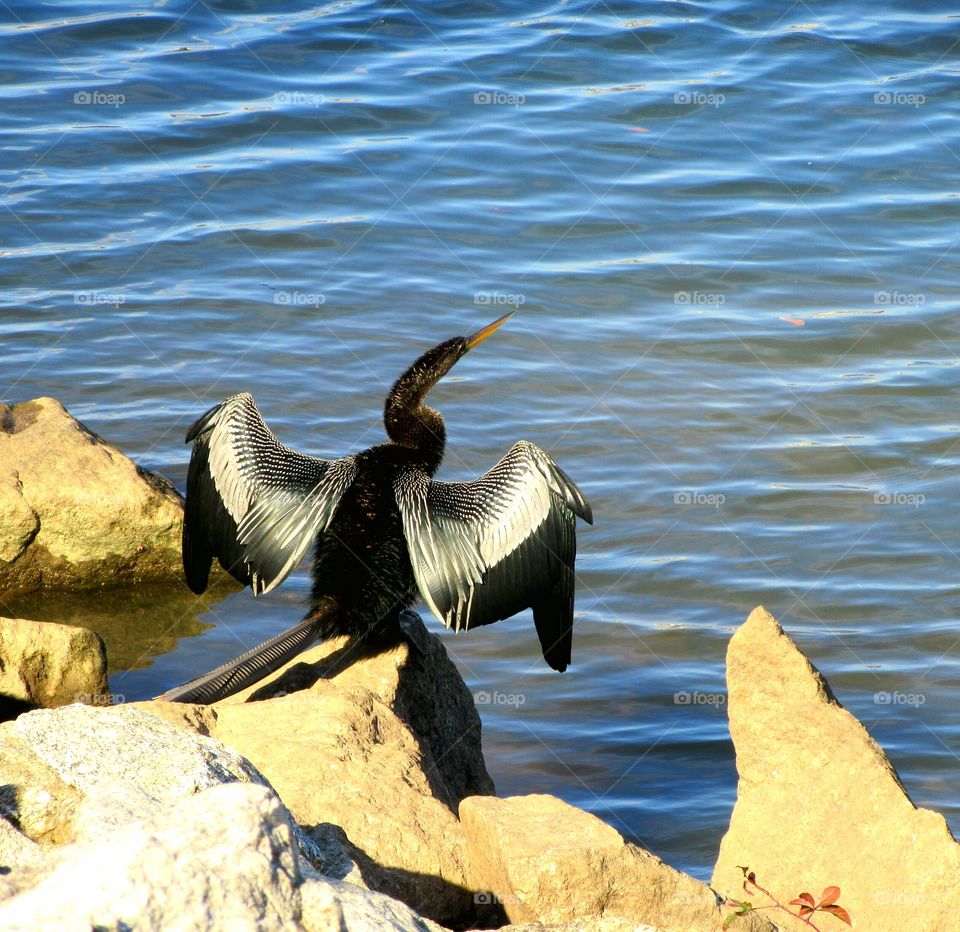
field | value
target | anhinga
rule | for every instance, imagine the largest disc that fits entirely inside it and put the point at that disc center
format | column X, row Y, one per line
column 382, row 527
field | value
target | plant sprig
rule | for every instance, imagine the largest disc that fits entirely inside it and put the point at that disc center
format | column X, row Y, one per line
column 808, row 906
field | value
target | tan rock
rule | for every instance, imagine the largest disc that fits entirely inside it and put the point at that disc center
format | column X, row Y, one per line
column 74, row 511
column 347, row 759
column 353, row 743
column 33, row 796
column 137, row 623
column 426, row 692
column 18, row 520
column 50, row 665
column 543, row 860
column 819, row 803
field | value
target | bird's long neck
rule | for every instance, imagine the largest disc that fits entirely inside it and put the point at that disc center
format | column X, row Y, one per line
column 409, row 422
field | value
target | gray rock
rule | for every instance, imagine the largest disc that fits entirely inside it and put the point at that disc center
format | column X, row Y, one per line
column 334, row 906
column 78, row 773
column 16, row 850
column 224, row 859
column 123, row 763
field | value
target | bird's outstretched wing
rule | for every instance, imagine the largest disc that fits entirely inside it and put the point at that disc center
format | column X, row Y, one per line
column 253, row 503
column 487, row 549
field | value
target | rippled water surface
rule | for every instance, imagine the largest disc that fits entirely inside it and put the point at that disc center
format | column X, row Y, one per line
column 731, row 232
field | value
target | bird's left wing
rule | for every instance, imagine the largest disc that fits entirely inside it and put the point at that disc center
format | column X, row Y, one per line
column 487, row 549
column 253, row 503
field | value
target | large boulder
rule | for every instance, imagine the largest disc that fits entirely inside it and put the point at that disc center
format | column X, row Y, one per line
column 48, row 665
column 223, row 858
column 74, row 511
column 818, row 802
column 543, row 860
column 372, row 753
column 112, row 818
column 79, row 772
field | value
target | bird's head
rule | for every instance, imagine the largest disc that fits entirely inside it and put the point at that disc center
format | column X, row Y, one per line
column 407, row 419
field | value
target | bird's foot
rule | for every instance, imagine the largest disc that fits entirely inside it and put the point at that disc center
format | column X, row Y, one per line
column 414, row 631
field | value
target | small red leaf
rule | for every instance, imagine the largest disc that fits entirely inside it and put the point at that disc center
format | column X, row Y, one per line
column 805, row 911
column 804, row 899
column 830, row 895
column 752, row 877
column 839, row 912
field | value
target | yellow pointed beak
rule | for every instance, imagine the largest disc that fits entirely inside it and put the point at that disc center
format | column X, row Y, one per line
column 481, row 335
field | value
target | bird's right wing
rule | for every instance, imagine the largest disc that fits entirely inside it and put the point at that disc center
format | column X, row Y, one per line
column 253, row 503
column 487, row 549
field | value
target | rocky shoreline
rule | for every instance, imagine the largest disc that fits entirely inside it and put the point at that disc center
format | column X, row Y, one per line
column 349, row 791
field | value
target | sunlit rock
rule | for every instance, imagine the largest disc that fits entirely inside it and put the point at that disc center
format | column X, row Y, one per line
column 334, row 906
column 113, row 818
column 77, row 773
column 543, row 860
column 48, row 665
column 74, row 511
column 380, row 747
column 221, row 859
column 819, row 804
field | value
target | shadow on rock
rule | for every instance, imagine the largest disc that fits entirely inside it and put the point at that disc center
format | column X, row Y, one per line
column 426, row 693
column 344, row 860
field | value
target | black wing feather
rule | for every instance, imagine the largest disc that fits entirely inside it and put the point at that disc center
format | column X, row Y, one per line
column 208, row 529
column 487, row 549
column 253, row 503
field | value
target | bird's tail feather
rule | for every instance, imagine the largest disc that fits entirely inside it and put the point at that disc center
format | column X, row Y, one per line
column 250, row 667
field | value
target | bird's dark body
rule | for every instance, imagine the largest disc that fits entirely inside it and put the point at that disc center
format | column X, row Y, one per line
column 381, row 528
column 361, row 564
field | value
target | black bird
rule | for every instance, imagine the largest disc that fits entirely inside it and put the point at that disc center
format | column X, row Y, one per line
column 382, row 527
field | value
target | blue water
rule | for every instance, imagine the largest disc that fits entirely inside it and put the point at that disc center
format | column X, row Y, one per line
column 731, row 232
